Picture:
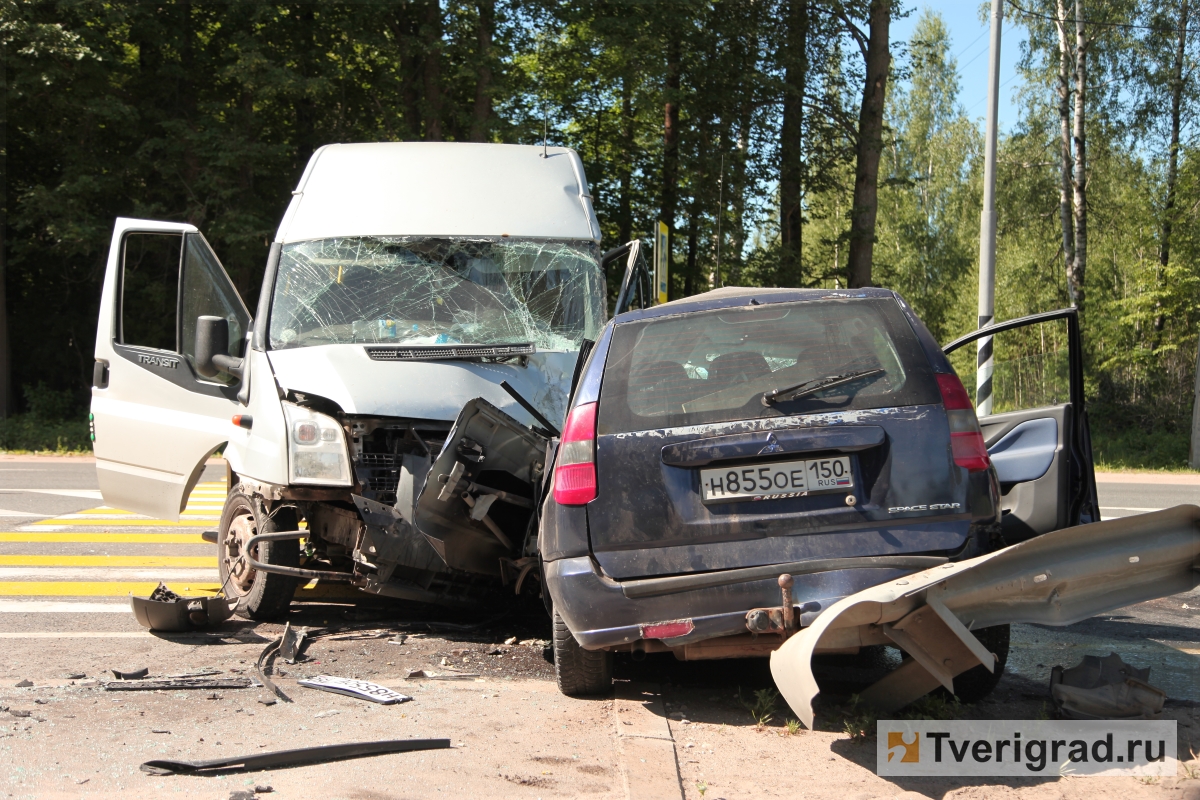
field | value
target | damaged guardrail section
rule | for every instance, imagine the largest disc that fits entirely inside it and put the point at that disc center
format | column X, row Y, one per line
column 1056, row 579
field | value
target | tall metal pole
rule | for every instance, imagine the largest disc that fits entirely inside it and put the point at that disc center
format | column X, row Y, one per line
column 987, row 222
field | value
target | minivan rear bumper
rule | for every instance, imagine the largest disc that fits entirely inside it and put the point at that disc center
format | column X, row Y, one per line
column 600, row 615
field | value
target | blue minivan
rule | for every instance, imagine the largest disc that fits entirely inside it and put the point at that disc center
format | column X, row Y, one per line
column 734, row 462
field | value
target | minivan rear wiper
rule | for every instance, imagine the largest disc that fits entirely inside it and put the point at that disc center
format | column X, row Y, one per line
column 817, row 384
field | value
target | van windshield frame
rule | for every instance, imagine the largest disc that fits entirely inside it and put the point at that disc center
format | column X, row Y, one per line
column 420, row 291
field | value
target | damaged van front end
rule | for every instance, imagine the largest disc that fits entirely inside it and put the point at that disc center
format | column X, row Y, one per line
column 385, row 413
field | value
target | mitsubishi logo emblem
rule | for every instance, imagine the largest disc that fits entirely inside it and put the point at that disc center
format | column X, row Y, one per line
column 772, row 446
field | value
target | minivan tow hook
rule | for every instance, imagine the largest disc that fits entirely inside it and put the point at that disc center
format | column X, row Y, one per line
column 789, row 612
column 781, row 620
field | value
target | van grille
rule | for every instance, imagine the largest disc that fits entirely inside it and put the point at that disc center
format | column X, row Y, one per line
column 448, row 351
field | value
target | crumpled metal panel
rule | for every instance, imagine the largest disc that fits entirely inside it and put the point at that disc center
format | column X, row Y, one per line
column 1056, row 579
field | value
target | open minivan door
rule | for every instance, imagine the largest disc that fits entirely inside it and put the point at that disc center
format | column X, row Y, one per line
column 1037, row 434
column 157, row 410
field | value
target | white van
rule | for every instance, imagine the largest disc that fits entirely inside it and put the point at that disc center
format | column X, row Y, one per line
column 419, row 324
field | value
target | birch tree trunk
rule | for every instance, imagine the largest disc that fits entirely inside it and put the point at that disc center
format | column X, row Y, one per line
column 1066, row 161
column 1078, row 271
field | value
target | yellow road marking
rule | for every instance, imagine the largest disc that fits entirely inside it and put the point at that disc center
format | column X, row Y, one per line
column 97, row 588
column 82, row 537
column 125, row 588
column 129, row 523
column 75, row 635
column 107, row 561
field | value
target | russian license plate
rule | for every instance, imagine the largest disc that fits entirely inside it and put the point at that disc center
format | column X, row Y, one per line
column 777, row 479
column 364, row 690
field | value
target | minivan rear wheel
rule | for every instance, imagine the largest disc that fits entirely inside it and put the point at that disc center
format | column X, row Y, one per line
column 579, row 672
column 977, row 683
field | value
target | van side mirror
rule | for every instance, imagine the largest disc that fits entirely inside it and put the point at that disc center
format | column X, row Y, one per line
column 212, row 348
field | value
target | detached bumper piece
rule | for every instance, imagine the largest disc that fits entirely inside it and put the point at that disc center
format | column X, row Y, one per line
column 1056, row 579
column 168, row 612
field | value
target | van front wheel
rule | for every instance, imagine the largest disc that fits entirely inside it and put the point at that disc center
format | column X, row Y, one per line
column 579, row 672
column 260, row 595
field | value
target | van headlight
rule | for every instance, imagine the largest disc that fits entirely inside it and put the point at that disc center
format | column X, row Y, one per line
column 316, row 448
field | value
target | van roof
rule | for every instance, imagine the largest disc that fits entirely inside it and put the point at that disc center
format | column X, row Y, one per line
column 441, row 189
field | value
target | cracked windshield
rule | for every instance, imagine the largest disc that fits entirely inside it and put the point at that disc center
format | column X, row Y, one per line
column 403, row 291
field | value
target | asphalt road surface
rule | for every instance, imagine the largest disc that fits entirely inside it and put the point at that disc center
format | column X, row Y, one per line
column 68, row 564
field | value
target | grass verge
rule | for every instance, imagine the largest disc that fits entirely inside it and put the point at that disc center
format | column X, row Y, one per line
column 25, row 433
column 1137, row 450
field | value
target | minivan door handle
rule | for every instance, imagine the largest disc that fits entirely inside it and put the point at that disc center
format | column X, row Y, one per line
column 839, row 439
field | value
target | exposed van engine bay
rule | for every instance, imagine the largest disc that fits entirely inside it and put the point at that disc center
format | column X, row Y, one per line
column 437, row 511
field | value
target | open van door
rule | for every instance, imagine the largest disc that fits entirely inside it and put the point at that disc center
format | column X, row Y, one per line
column 636, row 285
column 1037, row 434
column 155, row 418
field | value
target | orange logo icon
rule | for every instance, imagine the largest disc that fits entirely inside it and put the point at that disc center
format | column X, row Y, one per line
column 912, row 750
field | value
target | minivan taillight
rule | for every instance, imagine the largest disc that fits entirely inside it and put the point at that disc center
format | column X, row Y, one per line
column 575, row 470
column 966, row 440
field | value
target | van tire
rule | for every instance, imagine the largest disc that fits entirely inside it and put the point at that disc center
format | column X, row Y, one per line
column 579, row 672
column 978, row 682
column 267, row 595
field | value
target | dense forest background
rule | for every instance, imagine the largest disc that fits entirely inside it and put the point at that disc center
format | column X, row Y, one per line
column 785, row 143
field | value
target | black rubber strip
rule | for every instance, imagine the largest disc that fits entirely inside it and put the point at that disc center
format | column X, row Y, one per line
column 653, row 587
column 528, row 406
column 303, row 755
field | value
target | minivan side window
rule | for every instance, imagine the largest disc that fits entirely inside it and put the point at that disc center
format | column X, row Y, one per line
column 149, row 290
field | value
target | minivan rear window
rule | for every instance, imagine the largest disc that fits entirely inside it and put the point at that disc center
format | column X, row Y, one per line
column 715, row 366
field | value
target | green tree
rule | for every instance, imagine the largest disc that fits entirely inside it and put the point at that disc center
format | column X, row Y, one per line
column 928, row 198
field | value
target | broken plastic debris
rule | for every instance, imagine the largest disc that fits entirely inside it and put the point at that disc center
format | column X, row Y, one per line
column 130, row 674
column 162, row 594
column 164, row 610
column 420, row 674
column 1105, row 688
column 178, row 683
column 291, row 648
column 364, row 690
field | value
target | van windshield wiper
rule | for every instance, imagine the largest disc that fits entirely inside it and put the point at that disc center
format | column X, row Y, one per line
column 817, row 384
